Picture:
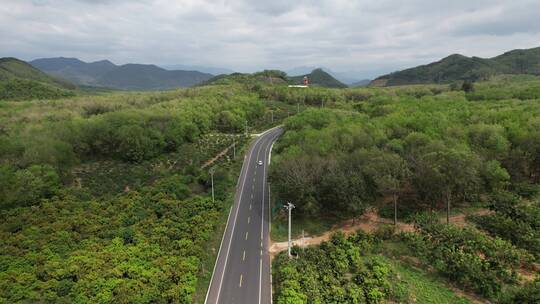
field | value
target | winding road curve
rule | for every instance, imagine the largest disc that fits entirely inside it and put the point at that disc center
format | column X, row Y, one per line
column 242, row 272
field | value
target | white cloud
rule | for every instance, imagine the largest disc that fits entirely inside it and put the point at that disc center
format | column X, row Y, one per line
column 246, row 35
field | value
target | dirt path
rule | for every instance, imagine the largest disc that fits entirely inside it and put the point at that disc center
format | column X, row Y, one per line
column 368, row 222
column 218, row 156
column 459, row 219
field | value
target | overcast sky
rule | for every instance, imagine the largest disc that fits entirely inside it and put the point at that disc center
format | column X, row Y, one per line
column 370, row 37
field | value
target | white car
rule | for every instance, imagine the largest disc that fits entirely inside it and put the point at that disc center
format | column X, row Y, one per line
column 260, row 163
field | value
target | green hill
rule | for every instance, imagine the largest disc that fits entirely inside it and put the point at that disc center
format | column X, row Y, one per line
column 19, row 80
column 458, row 67
column 318, row 77
column 13, row 68
column 266, row 76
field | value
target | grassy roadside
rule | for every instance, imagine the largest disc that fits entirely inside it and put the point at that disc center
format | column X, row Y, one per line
column 424, row 287
column 311, row 227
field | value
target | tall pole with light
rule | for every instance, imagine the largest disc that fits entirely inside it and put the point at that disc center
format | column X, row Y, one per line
column 289, row 207
column 212, row 180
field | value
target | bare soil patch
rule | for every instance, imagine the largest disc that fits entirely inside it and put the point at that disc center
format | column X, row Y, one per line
column 369, row 222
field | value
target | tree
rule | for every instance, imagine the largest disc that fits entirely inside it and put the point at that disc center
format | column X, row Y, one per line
column 449, row 173
column 495, row 176
column 390, row 172
column 467, row 86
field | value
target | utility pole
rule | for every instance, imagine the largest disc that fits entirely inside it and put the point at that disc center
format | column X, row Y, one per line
column 289, row 207
column 269, row 198
column 212, row 179
column 246, row 129
column 234, row 149
column 447, row 209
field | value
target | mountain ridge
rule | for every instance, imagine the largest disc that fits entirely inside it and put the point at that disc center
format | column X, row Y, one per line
column 456, row 67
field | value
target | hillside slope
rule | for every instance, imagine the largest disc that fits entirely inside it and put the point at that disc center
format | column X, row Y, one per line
column 458, row 67
column 127, row 77
column 13, row 68
column 19, row 80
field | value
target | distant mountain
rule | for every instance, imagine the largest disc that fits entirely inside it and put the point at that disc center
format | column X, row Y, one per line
column 126, row 77
column 348, row 78
column 361, row 83
column 458, row 67
column 150, row 77
column 319, row 77
column 74, row 69
column 303, row 70
column 19, row 80
column 200, row 68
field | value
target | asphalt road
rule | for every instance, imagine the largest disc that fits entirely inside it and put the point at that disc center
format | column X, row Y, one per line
column 242, row 272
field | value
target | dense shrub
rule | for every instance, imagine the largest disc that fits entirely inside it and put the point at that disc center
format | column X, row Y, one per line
column 529, row 293
column 338, row 271
column 20, row 89
column 467, row 256
column 134, row 248
column 24, row 187
column 514, row 221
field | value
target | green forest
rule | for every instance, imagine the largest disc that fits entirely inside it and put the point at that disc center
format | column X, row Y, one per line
column 418, row 155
